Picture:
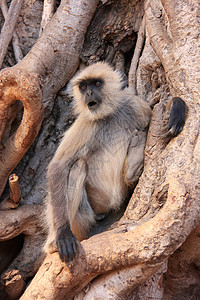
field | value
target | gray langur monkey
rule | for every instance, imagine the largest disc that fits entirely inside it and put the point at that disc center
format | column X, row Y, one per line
column 99, row 157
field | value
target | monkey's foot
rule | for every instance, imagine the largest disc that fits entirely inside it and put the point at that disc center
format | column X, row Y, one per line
column 51, row 248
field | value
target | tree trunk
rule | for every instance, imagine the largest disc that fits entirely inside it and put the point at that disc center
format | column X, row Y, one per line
column 138, row 257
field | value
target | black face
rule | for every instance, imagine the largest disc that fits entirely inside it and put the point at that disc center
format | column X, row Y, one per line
column 91, row 89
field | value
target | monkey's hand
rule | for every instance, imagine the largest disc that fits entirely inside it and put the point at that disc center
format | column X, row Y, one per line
column 67, row 244
column 177, row 117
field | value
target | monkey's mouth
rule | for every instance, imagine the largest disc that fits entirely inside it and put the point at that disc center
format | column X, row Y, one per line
column 92, row 104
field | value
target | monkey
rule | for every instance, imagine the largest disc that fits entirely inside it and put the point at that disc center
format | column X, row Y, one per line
column 99, row 158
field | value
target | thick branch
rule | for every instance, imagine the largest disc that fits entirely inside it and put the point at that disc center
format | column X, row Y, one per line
column 149, row 244
column 63, row 34
column 8, row 27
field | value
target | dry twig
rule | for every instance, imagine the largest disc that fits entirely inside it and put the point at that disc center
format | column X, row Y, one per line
column 8, row 27
column 15, row 41
column 135, row 59
column 15, row 194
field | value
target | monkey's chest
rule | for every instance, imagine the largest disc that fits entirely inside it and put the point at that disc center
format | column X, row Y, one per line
column 104, row 184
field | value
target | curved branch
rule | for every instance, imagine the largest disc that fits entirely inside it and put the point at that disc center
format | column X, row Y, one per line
column 149, row 244
column 135, row 59
column 18, row 85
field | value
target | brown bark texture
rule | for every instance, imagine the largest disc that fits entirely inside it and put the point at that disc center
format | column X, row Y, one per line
column 164, row 208
column 138, row 256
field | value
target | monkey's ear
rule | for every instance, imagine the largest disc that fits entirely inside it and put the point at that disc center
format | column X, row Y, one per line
column 123, row 79
column 69, row 89
column 177, row 118
column 66, row 90
column 124, row 83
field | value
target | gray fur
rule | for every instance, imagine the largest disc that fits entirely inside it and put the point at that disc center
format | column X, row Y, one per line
column 100, row 156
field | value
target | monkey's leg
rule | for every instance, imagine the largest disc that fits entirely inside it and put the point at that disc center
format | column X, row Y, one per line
column 133, row 164
column 84, row 219
column 50, row 244
column 100, row 217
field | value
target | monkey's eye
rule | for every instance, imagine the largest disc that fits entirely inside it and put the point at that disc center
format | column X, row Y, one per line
column 83, row 87
column 98, row 83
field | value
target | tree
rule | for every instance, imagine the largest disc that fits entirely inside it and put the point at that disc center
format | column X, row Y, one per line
column 149, row 252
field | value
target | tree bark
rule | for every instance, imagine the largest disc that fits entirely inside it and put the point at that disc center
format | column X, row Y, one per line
column 165, row 196
column 164, row 207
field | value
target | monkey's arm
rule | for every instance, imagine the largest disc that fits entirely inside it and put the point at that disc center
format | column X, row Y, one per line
column 65, row 182
column 133, row 164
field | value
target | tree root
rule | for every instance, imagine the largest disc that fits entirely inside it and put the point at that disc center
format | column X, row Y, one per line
column 17, row 85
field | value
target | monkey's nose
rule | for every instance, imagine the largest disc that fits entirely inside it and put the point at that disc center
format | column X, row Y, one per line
column 89, row 92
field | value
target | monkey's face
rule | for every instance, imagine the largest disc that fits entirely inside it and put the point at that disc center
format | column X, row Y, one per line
column 92, row 94
column 96, row 91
